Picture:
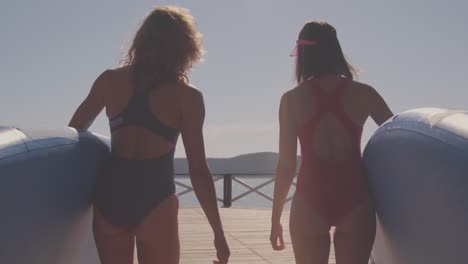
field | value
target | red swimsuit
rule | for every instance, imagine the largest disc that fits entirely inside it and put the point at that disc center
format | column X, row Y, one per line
column 332, row 187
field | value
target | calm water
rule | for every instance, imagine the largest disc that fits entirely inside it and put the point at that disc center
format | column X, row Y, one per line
column 252, row 200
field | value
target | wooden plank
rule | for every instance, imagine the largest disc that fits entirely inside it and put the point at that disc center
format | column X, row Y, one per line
column 247, row 231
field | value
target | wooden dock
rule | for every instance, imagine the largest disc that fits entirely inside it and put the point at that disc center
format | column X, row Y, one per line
column 247, row 231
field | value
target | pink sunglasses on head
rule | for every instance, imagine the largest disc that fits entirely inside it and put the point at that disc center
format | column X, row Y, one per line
column 302, row 42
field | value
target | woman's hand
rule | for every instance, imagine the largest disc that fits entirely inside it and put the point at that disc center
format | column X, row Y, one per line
column 222, row 249
column 276, row 236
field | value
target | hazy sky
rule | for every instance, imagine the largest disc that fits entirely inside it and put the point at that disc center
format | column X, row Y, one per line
column 412, row 51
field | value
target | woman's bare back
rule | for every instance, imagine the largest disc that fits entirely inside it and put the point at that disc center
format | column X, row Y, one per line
column 332, row 139
column 165, row 104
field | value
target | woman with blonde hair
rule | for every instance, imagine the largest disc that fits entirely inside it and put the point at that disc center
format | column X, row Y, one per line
column 326, row 112
column 149, row 103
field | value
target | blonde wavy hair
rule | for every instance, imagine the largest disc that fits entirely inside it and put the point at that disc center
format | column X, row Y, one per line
column 165, row 47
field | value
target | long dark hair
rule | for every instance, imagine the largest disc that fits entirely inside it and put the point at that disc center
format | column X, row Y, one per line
column 165, row 48
column 326, row 57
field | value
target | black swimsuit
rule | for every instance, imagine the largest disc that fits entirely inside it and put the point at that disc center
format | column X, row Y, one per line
column 128, row 189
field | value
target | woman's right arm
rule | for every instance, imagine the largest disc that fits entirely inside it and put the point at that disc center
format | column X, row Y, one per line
column 378, row 108
column 90, row 108
column 285, row 170
column 193, row 116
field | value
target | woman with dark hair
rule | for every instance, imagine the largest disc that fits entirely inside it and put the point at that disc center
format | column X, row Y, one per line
column 149, row 102
column 326, row 112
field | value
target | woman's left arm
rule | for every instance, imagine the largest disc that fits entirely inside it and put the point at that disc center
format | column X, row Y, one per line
column 90, row 108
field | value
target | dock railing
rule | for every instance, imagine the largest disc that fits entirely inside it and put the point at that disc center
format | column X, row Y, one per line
column 228, row 180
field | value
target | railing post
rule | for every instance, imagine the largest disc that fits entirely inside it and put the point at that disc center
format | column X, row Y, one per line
column 227, row 188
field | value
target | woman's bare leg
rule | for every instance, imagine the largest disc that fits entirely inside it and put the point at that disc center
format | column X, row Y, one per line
column 310, row 235
column 158, row 235
column 354, row 236
column 115, row 245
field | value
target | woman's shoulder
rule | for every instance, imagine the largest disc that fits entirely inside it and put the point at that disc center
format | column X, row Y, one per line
column 191, row 101
column 361, row 85
column 186, row 93
column 188, row 90
column 121, row 71
column 364, row 90
column 112, row 74
column 295, row 92
column 367, row 94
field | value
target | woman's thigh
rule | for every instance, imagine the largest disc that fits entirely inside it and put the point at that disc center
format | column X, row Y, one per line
column 158, row 236
column 115, row 245
column 354, row 236
column 310, row 235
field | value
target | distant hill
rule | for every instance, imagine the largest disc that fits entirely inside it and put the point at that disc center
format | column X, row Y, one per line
column 255, row 163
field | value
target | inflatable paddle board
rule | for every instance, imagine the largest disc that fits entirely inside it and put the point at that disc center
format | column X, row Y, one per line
column 417, row 164
column 46, row 178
